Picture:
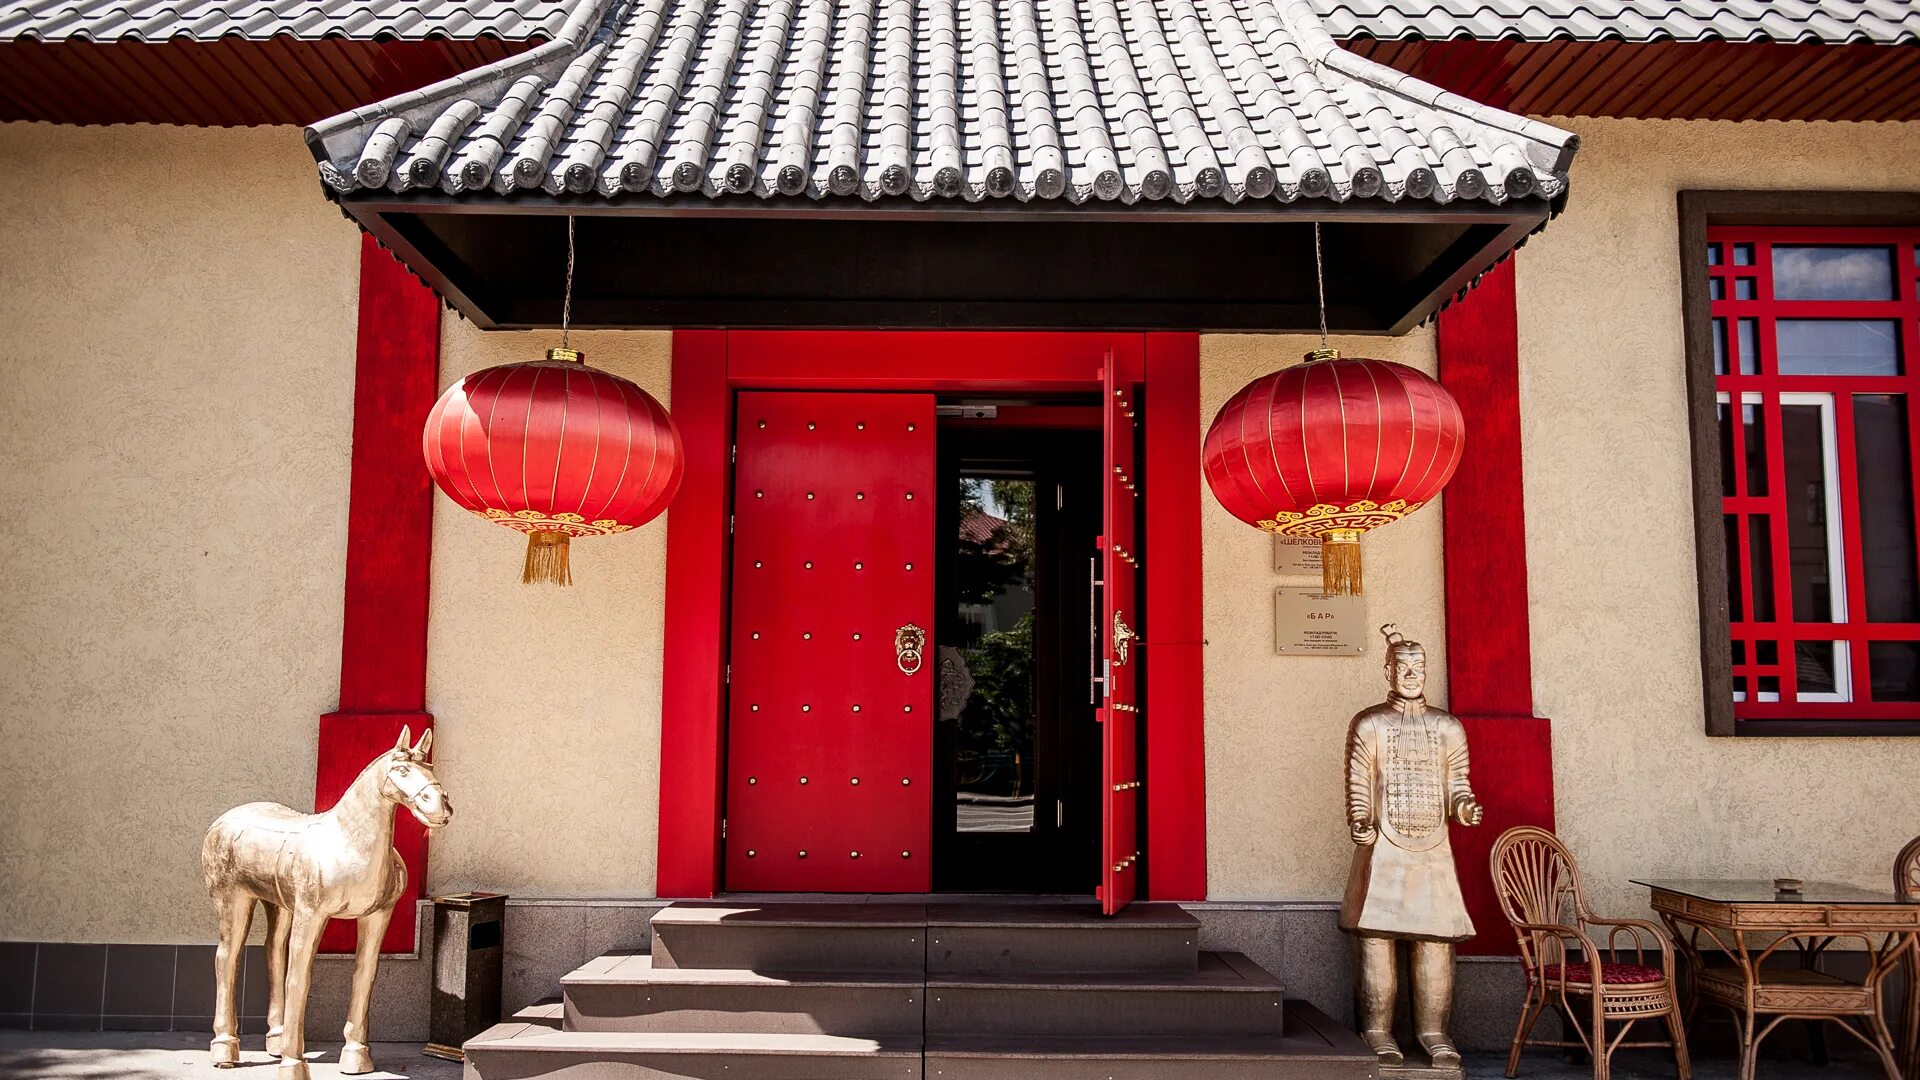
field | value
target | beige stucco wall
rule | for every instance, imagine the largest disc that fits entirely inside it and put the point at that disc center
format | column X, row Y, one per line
column 547, row 700
column 1615, row 629
column 1640, row 789
column 176, row 335
column 178, row 390
column 1276, row 725
column 179, row 351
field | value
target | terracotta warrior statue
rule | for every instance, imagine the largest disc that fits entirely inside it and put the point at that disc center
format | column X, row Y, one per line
column 1406, row 779
column 306, row 869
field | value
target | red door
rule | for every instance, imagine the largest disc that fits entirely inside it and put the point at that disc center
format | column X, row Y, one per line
column 1119, row 617
column 829, row 739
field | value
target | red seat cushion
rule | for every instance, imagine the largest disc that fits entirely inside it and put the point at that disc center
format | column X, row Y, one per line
column 1610, row 974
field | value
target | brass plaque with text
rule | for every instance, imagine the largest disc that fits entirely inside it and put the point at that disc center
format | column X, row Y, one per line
column 1308, row 622
column 1296, row 556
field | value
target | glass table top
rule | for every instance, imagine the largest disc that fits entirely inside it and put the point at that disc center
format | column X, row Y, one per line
column 1764, row 891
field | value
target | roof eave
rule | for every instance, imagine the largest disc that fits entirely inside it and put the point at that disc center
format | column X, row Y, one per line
column 339, row 137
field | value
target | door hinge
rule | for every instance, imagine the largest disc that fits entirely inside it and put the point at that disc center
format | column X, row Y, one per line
column 723, row 828
column 733, row 454
column 729, row 524
column 1059, row 813
column 728, row 677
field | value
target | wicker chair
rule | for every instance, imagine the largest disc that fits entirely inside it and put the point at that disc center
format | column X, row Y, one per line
column 1906, row 886
column 1539, row 885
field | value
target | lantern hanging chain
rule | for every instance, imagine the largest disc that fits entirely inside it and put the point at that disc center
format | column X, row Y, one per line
column 566, row 297
column 1320, row 283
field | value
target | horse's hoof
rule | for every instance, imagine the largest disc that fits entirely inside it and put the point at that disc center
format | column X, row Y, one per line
column 355, row 1059
column 293, row 1070
column 226, row 1051
column 273, row 1041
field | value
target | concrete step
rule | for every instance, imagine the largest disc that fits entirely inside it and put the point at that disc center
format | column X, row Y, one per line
column 532, row 1045
column 1228, row 995
column 621, row 992
column 822, row 937
column 967, row 939
column 1314, row 1048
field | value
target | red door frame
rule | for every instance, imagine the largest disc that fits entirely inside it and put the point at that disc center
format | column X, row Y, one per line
column 709, row 366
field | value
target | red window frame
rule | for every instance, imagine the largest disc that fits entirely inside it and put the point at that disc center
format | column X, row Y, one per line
column 1735, row 388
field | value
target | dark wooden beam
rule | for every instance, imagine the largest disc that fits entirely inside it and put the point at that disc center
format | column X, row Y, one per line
column 997, row 265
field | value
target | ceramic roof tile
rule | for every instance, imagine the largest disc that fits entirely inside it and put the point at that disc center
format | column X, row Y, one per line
column 1811, row 21
column 1797, row 21
column 207, row 20
column 1082, row 100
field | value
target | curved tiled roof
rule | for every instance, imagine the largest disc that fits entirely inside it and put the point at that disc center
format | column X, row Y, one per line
column 1804, row 21
column 1123, row 100
column 210, row 20
column 1789, row 21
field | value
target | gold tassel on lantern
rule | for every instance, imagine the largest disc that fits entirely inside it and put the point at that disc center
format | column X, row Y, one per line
column 1340, row 562
column 546, row 560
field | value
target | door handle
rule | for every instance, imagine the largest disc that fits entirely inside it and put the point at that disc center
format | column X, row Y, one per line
column 909, row 642
column 1093, row 631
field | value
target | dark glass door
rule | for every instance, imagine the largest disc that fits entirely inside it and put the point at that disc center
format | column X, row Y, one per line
column 1016, row 743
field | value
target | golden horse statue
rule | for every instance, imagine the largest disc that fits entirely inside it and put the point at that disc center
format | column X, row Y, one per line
column 308, row 868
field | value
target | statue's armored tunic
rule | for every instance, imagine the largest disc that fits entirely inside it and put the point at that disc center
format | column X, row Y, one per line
column 1406, row 776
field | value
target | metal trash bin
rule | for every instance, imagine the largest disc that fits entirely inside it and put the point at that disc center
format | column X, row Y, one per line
column 468, row 961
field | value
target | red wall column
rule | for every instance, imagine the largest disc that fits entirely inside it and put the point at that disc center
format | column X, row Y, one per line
column 1489, row 662
column 383, row 648
column 692, row 736
column 1176, row 752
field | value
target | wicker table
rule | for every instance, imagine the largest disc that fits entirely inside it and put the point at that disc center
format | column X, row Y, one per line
column 1752, row 921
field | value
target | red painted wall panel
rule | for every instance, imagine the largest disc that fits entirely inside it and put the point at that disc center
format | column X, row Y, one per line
column 383, row 648
column 692, row 735
column 348, row 741
column 1489, row 662
column 1175, row 751
column 383, row 655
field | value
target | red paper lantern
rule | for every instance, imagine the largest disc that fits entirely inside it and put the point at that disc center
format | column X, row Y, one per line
column 554, row 449
column 1332, row 448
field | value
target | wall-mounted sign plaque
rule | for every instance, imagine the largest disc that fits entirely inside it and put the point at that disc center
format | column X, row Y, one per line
column 1308, row 622
column 1297, row 556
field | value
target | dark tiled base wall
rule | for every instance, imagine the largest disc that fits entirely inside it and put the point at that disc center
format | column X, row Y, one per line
column 72, row 987
column 60, row 986
column 157, row 987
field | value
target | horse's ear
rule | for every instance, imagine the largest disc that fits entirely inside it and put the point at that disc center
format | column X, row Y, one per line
column 406, row 736
column 421, row 748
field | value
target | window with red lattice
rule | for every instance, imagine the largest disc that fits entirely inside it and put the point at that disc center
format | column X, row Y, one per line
column 1816, row 338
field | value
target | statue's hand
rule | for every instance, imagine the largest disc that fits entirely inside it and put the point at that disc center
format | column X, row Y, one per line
column 1363, row 833
column 1468, row 811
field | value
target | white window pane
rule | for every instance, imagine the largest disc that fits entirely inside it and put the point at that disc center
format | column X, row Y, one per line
column 1813, row 548
column 1832, row 272
column 1837, row 346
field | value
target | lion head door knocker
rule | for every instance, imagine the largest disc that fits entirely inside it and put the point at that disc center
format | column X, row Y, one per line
column 908, row 643
column 1122, row 634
